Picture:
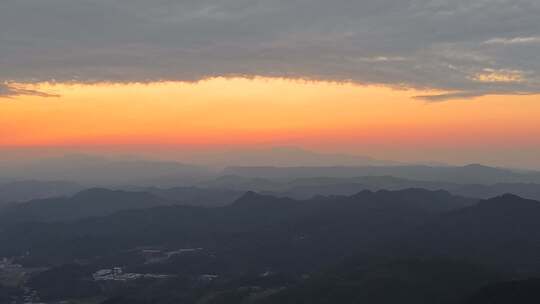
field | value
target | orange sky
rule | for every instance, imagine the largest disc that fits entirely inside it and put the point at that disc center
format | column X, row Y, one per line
column 244, row 112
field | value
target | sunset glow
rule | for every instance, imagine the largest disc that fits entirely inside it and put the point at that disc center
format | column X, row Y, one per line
column 251, row 112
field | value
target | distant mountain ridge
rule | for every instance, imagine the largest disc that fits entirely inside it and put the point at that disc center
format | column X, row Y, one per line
column 304, row 188
column 102, row 171
column 20, row 191
column 470, row 174
column 286, row 156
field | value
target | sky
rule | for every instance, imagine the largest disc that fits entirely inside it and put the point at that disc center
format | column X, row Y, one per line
column 455, row 81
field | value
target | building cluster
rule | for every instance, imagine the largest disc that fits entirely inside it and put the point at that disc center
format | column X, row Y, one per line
column 31, row 297
column 206, row 278
column 160, row 256
column 117, row 274
column 8, row 265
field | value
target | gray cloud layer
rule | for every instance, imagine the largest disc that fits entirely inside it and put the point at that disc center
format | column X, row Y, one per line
column 468, row 47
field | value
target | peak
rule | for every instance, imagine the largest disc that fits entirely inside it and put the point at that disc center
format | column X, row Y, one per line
column 363, row 193
column 250, row 196
column 476, row 166
column 507, row 197
column 483, row 167
column 510, row 196
column 509, row 200
column 93, row 191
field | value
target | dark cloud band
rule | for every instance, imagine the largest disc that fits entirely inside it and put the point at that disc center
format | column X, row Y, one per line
column 466, row 47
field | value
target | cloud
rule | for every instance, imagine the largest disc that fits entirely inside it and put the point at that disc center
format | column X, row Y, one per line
column 468, row 95
column 494, row 76
column 435, row 44
column 9, row 91
column 450, row 96
column 516, row 40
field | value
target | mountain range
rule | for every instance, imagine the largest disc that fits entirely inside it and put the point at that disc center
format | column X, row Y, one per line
column 374, row 246
column 470, row 174
column 106, row 171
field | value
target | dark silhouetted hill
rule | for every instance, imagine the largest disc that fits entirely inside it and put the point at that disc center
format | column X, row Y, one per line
column 519, row 291
column 87, row 203
column 257, row 230
column 503, row 231
column 404, row 281
column 194, row 196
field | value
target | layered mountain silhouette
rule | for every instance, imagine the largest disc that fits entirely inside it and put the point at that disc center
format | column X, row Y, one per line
column 276, row 229
column 475, row 174
column 410, row 246
column 304, row 188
